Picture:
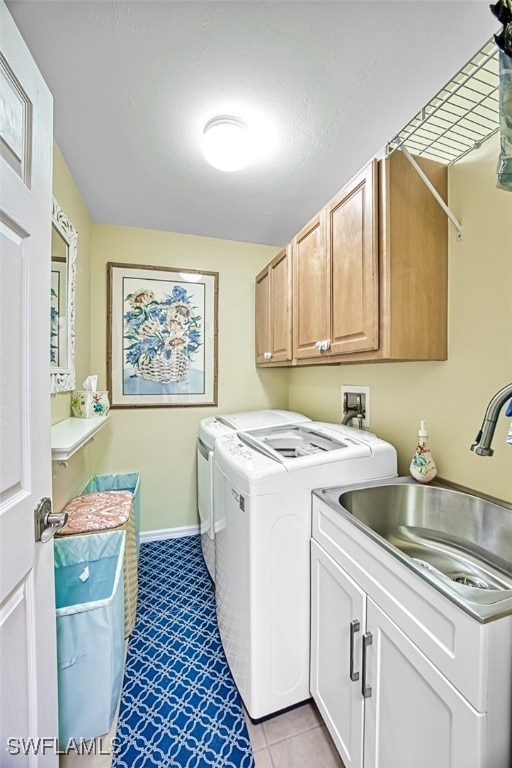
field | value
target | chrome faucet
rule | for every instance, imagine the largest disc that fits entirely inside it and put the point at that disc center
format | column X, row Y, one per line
column 482, row 444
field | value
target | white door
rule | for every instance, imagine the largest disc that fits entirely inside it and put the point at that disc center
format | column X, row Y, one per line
column 414, row 716
column 338, row 619
column 28, row 677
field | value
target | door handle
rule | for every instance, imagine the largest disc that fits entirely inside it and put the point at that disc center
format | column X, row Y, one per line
column 47, row 522
column 366, row 689
column 354, row 627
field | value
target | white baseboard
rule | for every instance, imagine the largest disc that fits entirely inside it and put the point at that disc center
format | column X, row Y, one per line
column 169, row 533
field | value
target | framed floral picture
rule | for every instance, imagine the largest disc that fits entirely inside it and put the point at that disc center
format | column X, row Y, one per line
column 162, row 336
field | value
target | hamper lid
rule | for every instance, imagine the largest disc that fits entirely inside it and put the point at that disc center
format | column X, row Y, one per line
column 97, row 511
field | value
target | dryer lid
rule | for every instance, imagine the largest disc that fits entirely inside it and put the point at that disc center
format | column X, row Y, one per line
column 255, row 419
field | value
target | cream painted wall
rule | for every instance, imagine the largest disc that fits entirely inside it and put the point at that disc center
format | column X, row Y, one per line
column 67, row 482
column 451, row 396
column 160, row 442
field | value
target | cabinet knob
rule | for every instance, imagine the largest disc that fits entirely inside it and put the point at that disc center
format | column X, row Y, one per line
column 267, row 355
column 323, row 345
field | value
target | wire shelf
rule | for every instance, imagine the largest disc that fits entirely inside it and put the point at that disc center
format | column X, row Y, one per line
column 461, row 116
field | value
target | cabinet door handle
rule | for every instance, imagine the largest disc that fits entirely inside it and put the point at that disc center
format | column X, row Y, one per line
column 366, row 689
column 354, row 627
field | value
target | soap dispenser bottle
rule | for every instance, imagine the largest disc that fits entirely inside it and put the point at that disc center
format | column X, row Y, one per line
column 423, row 467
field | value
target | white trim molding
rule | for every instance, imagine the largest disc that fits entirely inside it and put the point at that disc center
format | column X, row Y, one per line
column 169, row 533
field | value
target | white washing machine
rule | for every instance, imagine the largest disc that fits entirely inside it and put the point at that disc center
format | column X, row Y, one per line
column 263, row 481
column 209, row 430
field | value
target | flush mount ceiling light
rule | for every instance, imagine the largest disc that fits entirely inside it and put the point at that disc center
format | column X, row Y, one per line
column 227, row 143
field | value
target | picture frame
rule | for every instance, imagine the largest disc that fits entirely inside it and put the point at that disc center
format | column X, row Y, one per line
column 162, row 336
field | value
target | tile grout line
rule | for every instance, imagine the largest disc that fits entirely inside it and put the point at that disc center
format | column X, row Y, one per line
column 291, row 736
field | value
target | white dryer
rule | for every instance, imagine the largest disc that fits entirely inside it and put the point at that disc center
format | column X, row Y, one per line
column 263, row 482
column 209, row 430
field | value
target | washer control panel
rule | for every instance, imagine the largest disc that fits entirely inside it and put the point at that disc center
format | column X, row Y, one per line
column 234, row 447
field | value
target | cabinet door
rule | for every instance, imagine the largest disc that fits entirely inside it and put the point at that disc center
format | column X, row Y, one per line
column 311, row 289
column 280, row 306
column 414, row 716
column 352, row 228
column 336, row 602
column 262, row 315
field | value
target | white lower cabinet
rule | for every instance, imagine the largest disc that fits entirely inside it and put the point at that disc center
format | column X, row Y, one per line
column 338, row 613
column 384, row 703
column 413, row 715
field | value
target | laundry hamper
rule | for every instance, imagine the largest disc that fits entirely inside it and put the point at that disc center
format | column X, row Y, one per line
column 90, row 636
column 102, row 511
column 121, row 481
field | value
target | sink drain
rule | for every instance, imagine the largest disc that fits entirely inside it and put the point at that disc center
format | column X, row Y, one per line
column 459, row 577
column 469, row 580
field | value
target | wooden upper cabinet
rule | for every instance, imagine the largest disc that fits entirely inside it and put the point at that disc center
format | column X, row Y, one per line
column 352, row 232
column 311, row 288
column 335, row 263
column 370, row 273
column 262, row 314
column 280, row 314
column 273, row 310
column 414, row 261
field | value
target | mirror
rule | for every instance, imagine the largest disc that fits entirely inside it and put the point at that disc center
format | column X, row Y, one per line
column 62, row 304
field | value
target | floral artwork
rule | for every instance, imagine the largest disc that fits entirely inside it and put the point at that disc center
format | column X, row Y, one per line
column 163, row 336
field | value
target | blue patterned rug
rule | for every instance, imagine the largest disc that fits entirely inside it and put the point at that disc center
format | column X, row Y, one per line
column 179, row 704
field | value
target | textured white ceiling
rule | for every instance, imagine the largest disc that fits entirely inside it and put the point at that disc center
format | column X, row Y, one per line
column 135, row 82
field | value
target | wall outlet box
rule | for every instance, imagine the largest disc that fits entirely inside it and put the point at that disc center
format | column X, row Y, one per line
column 356, row 397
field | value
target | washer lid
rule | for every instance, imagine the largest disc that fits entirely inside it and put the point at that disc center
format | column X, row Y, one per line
column 217, row 426
column 302, row 444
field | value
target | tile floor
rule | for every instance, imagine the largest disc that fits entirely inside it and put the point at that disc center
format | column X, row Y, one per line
column 294, row 739
column 97, row 754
